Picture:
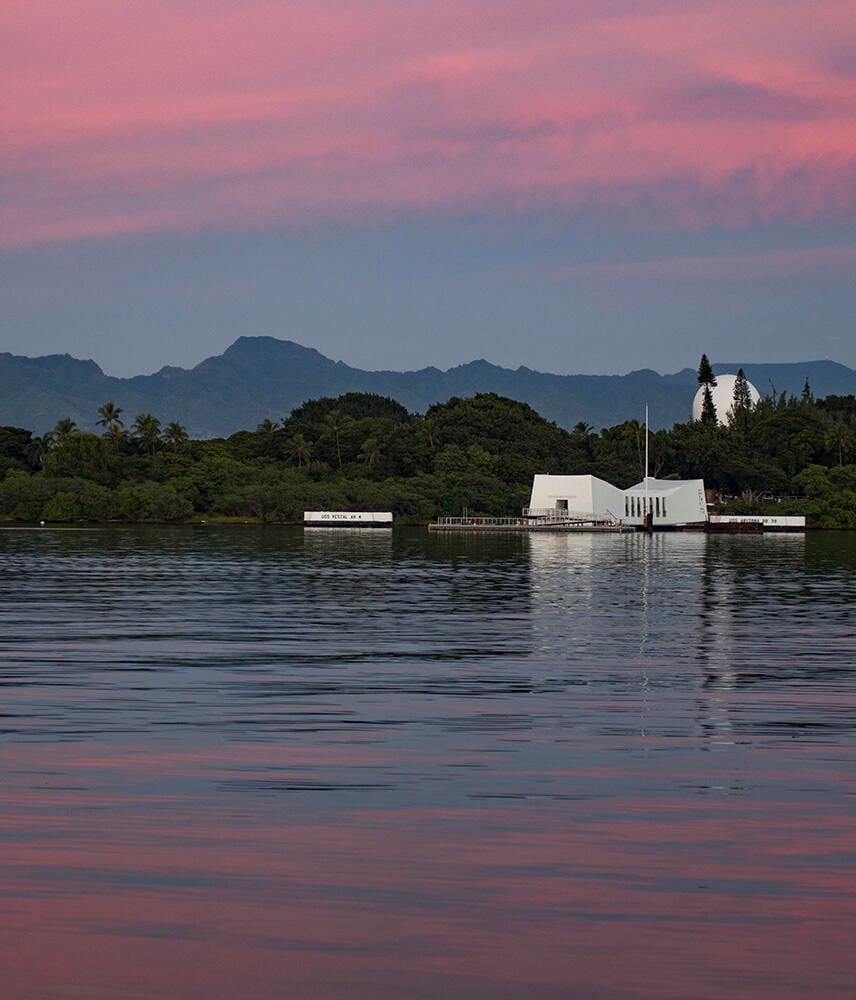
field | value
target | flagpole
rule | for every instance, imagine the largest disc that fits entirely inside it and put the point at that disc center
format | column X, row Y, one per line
column 647, row 510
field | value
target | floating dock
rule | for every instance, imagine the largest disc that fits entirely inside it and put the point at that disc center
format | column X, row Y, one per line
column 527, row 524
column 347, row 519
column 756, row 522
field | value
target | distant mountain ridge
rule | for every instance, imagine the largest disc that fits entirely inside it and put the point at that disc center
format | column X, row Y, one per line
column 259, row 377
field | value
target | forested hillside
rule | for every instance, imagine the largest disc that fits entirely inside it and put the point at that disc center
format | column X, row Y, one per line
column 261, row 378
column 788, row 455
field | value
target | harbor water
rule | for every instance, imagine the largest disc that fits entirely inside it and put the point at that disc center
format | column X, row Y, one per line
column 262, row 762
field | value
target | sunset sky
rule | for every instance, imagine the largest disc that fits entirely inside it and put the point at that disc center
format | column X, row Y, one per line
column 572, row 186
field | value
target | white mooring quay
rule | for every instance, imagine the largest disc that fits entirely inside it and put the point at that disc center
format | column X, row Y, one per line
column 765, row 522
column 347, row 519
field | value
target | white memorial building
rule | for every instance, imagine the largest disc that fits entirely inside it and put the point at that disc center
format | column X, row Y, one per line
column 672, row 502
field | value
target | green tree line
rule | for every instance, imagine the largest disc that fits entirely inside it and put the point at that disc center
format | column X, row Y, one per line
column 363, row 451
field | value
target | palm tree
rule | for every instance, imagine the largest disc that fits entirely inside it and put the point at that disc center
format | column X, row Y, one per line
column 337, row 421
column 108, row 416
column 147, row 432
column 174, row 435
column 428, row 424
column 39, row 447
column 839, row 437
column 369, row 451
column 267, row 426
column 299, row 448
column 116, row 434
column 65, row 426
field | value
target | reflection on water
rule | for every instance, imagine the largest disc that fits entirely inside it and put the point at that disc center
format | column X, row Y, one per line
column 263, row 762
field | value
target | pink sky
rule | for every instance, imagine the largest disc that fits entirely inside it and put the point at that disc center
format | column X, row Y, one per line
column 123, row 118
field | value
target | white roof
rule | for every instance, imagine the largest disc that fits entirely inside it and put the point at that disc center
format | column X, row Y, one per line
column 662, row 486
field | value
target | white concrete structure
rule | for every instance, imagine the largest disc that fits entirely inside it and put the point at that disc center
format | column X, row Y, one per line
column 347, row 519
column 723, row 397
column 672, row 502
column 576, row 497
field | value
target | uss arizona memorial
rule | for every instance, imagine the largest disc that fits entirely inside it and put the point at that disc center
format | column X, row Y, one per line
column 656, row 503
column 586, row 503
column 582, row 498
column 581, row 502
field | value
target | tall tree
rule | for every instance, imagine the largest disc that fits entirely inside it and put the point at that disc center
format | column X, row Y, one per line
column 336, row 422
column 708, row 407
column 65, row 426
column 840, row 438
column 109, row 416
column 116, row 436
column 39, row 447
column 174, row 435
column 369, row 451
column 147, row 432
column 299, row 448
column 705, row 373
column 742, row 399
column 707, row 379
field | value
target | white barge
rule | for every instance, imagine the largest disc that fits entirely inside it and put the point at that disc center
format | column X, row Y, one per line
column 347, row 519
column 758, row 522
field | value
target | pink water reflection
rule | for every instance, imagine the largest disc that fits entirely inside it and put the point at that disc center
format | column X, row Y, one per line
column 112, row 890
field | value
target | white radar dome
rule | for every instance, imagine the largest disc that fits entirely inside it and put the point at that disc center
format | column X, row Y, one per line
column 723, row 397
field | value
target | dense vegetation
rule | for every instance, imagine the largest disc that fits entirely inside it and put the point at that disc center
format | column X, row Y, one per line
column 363, row 451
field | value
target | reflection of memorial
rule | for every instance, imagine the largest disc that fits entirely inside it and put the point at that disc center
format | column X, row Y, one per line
column 739, row 577
column 662, row 616
column 347, row 567
column 713, row 644
column 587, row 594
column 734, row 612
column 346, row 543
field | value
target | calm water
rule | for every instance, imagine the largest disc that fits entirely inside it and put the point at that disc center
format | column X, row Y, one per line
column 255, row 763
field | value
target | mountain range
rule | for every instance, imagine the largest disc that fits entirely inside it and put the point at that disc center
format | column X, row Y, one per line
column 262, row 377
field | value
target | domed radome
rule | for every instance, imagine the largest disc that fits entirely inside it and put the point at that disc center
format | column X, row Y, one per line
column 723, row 397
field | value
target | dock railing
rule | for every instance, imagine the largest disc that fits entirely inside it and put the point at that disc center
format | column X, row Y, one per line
column 476, row 522
column 549, row 515
column 530, row 518
column 553, row 514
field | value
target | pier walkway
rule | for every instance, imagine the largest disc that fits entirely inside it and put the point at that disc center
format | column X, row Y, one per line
column 530, row 522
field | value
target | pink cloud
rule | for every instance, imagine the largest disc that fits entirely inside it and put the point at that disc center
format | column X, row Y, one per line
column 129, row 118
column 781, row 265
